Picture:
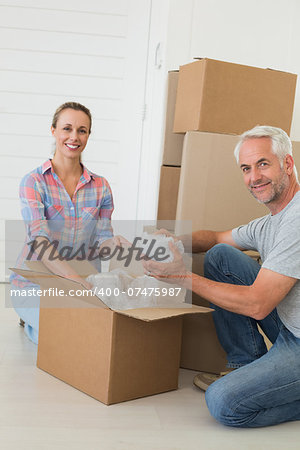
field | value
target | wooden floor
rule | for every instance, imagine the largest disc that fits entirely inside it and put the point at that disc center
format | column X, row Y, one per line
column 38, row 411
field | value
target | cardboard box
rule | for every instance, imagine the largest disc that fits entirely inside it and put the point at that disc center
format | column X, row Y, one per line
column 296, row 154
column 222, row 97
column 112, row 356
column 173, row 142
column 168, row 193
column 211, row 191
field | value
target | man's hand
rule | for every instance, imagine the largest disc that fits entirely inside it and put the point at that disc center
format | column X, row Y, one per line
column 173, row 272
column 166, row 233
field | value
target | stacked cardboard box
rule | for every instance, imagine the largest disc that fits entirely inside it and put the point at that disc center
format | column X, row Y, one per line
column 221, row 97
column 215, row 101
column 173, row 144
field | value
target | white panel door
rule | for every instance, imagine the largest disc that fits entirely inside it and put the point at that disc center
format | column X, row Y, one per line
column 94, row 52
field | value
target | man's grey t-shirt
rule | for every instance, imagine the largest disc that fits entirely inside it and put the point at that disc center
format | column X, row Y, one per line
column 277, row 239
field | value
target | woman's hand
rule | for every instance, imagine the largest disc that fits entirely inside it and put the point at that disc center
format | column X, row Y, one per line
column 120, row 241
column 86, row 284
column 115, row 241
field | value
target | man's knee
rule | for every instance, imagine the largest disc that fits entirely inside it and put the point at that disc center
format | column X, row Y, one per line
column 219, row 251
column 228, row 264
column 225, row 403
column 216, row 255
column 218, row 402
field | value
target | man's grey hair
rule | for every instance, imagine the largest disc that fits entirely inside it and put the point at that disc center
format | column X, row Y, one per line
column 281, row 143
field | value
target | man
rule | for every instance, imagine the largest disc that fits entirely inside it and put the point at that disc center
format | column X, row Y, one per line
column 264, row 388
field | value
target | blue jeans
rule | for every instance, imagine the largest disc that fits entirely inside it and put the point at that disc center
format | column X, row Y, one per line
column 27, row 307
column 265, row 388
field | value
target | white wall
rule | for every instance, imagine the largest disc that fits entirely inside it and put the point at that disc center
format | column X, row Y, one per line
column 94, row 52
column 262, row 33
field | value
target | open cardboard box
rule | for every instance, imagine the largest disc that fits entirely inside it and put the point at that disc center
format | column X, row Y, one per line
column 113, row 356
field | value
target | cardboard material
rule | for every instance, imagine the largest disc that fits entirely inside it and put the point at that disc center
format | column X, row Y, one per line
column 296, row 155
column 200, row 348
column 168, row 193
column 111, row 355
column 222, row 97
column 211, row 191
column 173, row 142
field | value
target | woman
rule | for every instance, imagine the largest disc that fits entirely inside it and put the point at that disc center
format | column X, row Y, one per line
column 61, row 202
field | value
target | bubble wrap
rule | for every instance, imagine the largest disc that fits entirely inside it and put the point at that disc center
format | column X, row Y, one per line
column 159, row 241
column 122, row 283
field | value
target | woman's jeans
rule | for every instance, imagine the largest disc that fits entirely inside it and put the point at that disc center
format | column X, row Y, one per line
column 265, row 388
column 27, row 307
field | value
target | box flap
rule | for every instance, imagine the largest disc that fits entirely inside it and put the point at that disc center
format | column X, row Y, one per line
column 199, row 58
column 282, row 71
column 47, row 280
column 83, row 268
column 150, row 314
column 37, row 266
column 41, row 278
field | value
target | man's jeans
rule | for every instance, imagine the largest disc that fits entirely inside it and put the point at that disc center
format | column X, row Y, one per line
column 265, row 388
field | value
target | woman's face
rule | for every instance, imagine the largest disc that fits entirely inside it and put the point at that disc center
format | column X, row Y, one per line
column 71, row 133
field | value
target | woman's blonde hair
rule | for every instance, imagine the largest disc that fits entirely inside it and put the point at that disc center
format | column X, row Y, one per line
column 71, row 105
column 76, row 107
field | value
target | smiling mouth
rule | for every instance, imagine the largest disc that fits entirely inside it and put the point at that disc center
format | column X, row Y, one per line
column 260, row 186
column 72, row 147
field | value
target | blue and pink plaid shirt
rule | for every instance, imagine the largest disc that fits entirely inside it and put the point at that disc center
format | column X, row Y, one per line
column 48, row 210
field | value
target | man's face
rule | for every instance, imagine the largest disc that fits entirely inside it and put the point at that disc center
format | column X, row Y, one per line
column 263, row 175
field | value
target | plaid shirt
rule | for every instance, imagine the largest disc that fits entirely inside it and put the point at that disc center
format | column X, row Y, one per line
column 48, row 210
